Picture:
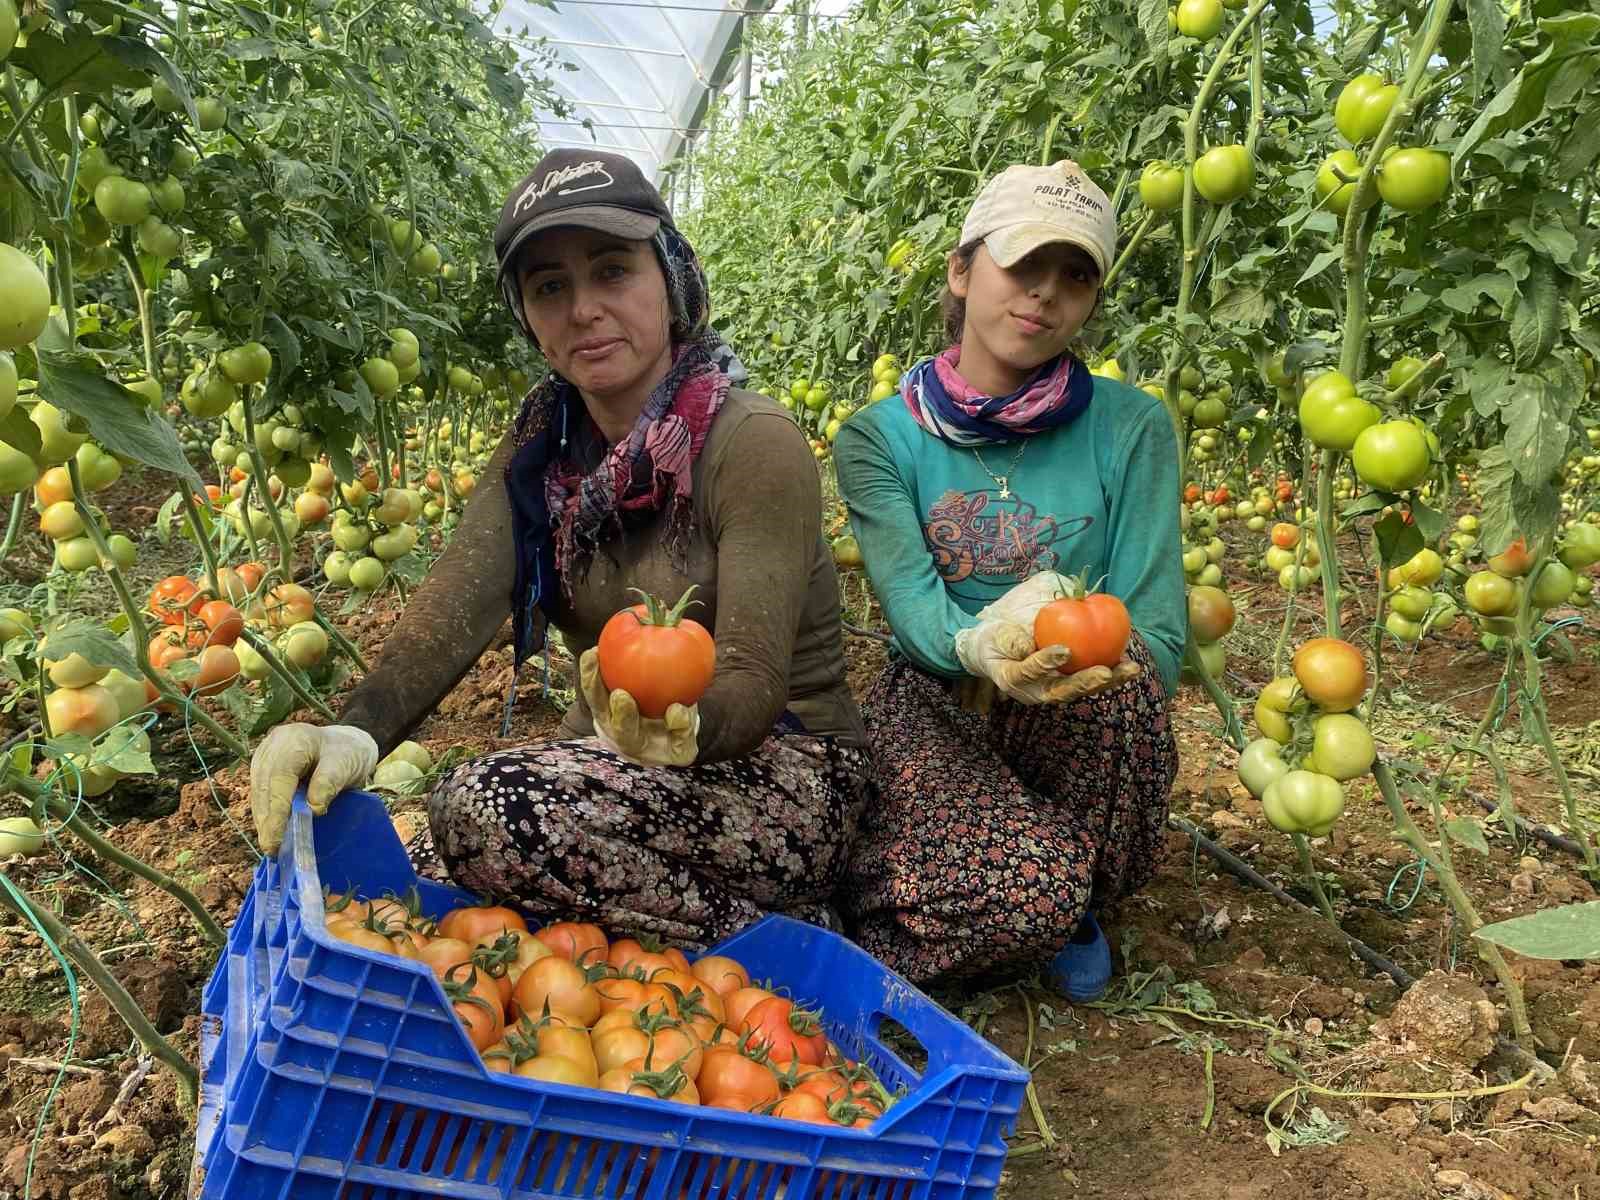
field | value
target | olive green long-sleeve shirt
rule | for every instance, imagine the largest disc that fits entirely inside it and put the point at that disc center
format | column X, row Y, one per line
column 765, row 581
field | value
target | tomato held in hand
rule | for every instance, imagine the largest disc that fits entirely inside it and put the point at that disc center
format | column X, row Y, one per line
column 657, row 656
column 1094, row 627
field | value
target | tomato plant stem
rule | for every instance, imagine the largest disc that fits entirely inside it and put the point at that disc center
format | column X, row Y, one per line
column 344, row 644
column 264, row 648
column 19, row 505
column 1538, row 718
column 1129, row 250
column 258, row 468
column 19, row 902
column 1233, row 730
column 1302, row 847
column 1406, row 829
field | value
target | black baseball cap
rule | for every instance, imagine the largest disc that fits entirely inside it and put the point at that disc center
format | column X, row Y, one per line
column 588, row 188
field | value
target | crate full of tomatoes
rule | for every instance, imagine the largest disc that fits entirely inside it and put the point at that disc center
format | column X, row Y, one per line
column 370, row 1035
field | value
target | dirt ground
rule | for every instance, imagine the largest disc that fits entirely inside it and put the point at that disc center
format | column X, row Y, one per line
column 1242, row 1052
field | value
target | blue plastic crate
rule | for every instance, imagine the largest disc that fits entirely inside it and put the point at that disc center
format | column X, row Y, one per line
column 333, row 1072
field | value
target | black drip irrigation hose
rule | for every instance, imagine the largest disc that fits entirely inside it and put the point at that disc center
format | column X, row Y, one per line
column 1535, row 831
column 1242, row 870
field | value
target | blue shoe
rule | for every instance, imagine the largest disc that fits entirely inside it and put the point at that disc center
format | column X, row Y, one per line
column 1082, row 970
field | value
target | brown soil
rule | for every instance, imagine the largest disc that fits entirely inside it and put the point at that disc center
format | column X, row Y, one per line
column 1165, row 1093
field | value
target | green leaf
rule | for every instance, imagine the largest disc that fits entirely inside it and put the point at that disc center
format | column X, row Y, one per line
column 1536, row 437
column 126, row 750
column 1319, row 264
column 74, row 382
column 1537, row 318
column 20, row 433
column 1571, row 931
column 1397, row 541
column 1488, row 22
column 69, row 59
column 1153, row 24
column 1365, row 505
column 1578, row 149
column 1430, row 521
column 96, row 643
column 146, row 58
column 1467, row 832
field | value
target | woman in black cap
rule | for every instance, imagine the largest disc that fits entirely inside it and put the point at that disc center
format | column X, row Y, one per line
column 635, row 463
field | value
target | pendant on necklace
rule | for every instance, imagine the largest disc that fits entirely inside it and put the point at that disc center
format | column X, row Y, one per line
column 1005, row 487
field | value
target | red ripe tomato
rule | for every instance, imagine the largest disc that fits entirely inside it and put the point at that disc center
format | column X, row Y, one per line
column 1095, row 628
column 173, row 598
column 224, row 621
column 1332, row 673
column 657, row 656
column 788, row 1034
column 1192, row 493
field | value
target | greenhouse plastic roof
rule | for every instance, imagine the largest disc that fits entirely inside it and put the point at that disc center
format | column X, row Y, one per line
column 645, row 68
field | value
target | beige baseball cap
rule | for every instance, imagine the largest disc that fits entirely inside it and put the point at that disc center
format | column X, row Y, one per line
column 1025, row 207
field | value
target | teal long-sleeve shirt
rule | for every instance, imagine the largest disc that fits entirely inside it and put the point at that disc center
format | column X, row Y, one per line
column 941, row 538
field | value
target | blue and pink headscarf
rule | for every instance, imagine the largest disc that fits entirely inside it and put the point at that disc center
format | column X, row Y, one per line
column 955, row 412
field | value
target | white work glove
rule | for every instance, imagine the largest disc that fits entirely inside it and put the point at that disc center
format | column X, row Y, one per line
column 668, row 741
column 999, row 650
column 335, row 757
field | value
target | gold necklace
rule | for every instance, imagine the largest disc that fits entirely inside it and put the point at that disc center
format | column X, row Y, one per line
column 1003, row 482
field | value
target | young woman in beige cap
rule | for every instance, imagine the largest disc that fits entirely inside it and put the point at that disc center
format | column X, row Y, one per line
column 1016, row 798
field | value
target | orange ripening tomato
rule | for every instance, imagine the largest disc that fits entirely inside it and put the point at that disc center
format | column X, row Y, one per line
column 474, row 921
column 442, row 953
column 173, row 599
column 657, row 656
column 576, row 942
column 224, row 621
column 1192, row 493
column 1332, row 673
column 721, row 974
column 251, row 573
column 1285, row 536
column 1095, row 627
column 560, row 986
column 730, row 1079
column 740, row 1003
column 803, row 1106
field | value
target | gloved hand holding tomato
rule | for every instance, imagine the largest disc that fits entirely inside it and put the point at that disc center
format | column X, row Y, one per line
column 644, row 679
column 1006, row 649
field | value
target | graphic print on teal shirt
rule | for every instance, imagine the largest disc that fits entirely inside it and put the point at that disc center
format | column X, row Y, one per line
column 1098, row 496
column 984, row 543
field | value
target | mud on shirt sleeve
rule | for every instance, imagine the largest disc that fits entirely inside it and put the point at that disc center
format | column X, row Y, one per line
column 764, row 510
column 448, row 622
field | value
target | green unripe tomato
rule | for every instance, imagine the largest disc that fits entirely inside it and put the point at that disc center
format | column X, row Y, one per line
column 1200, row 19
column 1224, row 174
column 1342, row 748
column 212, row 113
column 1363, row 106
column 27, row 298
column 1415, row 179
column 122, row 201
column 1553, row 587
column 367, row 574
column 158, row 239
column 1392, row 456
column 1161, row 186
column 382, row 376
column 1333, row 191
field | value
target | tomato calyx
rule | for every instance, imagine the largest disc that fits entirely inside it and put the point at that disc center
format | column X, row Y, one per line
column 657, row 613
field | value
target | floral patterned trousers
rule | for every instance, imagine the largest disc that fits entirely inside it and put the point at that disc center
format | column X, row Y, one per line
column 992, row 833
column 570, row 830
